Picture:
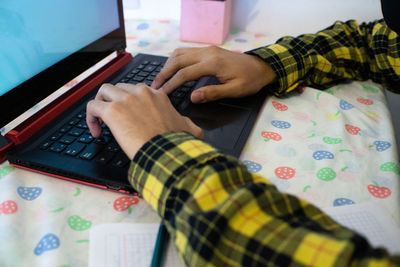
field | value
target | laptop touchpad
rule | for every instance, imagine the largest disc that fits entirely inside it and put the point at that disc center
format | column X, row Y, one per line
column 222, row 124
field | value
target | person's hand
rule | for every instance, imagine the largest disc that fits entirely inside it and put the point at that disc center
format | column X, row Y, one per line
column 239, row 74
column 135, row 114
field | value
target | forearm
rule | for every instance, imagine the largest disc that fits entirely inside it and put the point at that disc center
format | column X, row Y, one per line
column 219, row 213
column 342, row 51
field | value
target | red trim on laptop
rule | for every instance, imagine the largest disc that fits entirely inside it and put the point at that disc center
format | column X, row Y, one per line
column 4, row 150
column 76, row 181
column 30, row 126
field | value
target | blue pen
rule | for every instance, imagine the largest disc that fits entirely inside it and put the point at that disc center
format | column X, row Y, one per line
column 161, row 242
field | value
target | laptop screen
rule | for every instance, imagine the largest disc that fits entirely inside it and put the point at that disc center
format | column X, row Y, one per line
column 53, row 36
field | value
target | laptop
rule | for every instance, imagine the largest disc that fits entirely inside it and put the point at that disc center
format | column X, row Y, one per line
column 43, row 46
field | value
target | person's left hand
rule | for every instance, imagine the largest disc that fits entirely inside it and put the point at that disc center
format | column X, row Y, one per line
column 135, row 114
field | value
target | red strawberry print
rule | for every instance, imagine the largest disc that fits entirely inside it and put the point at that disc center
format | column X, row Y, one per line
column 352, row 129
column 259, row 35
column 365, row 101
column 279, row 106
column 379, row 191
column 123, row 203
column 8, row 207
column 285, row 172
column 271, row 135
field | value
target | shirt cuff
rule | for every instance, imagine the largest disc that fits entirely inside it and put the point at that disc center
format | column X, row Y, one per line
column 162, row 162
column 285, row 65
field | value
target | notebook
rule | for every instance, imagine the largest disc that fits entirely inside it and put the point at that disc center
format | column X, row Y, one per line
column 40, row 53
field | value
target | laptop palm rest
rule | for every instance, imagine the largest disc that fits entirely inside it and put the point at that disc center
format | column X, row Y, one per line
column 222, row 124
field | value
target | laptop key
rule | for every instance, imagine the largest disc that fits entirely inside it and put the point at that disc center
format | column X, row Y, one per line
column 143, row 73
column 82, row 125
column 133, row 82
column 74, row 149
column 81, row 115
column 149, row 68
column 67, row 139
column 104, row 157
column 58, row 147
column 55, row 136
column 135, row 71
column 102, row 140
column 137, row 79
column 120, row 160
column 90, row 151
column 76, row 131
column 65, row 128
column 113, row 147
column 73, row 121
column 106, row 132
column 45, row 145
column 86, row 138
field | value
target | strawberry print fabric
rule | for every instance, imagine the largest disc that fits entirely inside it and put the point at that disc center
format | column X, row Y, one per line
column 332, row 147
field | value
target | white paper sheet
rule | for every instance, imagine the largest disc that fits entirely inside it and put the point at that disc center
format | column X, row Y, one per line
column 127, row 245
column 372, row 221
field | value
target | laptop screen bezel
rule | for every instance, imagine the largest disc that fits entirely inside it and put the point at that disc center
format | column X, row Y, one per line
column 32, row 91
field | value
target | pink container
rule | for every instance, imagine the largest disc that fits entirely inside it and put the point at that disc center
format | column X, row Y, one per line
column 205, row 21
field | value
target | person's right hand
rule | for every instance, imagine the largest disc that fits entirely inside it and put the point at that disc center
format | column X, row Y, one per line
column 239, row 74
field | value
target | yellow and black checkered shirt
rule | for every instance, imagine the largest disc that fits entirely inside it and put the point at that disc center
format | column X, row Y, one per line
column 342, row 51
column 220, row 214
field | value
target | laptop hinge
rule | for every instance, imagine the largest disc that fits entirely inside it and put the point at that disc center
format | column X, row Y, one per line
column 5, row 146
column 33, row 124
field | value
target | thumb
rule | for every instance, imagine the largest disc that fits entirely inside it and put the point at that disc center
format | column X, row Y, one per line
column 193, row 128
column 213, row 92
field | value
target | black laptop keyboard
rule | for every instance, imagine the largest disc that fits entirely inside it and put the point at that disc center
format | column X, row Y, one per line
column 148, row 70
column 74, row 138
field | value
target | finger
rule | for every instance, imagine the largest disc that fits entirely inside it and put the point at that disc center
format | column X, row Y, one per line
column 194, row 129
column 184, row 50
column 131, row 88
column 109, row 92
column 190, row 73
column 215, row 92
column 94, row 119
column 173, row 65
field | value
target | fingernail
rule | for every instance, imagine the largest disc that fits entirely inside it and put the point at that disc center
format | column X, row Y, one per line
column 161, row 89
column 198, row 96
column 153, row 85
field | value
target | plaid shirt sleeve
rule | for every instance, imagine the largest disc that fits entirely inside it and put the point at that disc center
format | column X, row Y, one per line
column 342, row 51
column 219, row 214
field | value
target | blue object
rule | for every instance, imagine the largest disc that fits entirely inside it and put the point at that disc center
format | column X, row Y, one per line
column 48, row 242
column 342, row 201
column 382, row 145
column 322, row 154
column 281, row 124
column 29, row 193
column 345, row 105
column 142, row 26
column 162, row 240
column 252, row 166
